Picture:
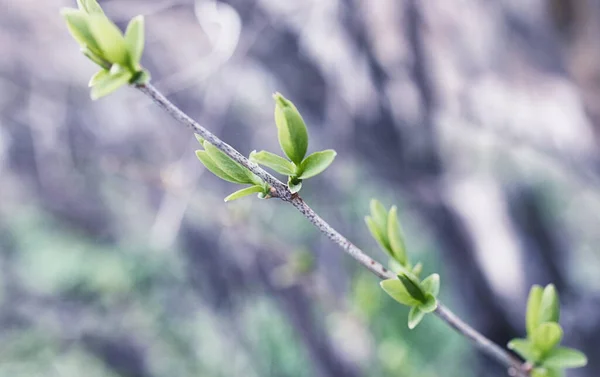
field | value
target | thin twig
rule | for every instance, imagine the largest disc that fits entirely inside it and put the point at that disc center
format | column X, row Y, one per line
column 515, row 366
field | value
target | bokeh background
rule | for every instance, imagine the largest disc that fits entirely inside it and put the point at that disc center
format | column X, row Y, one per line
column 479, row 119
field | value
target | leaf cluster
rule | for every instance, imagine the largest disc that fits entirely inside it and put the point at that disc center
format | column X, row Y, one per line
column 227, row 169
column 407, row 289
column 293, row 139
column 103, row 43
column 544, row 334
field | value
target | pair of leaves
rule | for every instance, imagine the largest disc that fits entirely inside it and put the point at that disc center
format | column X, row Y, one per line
column 293, row 139
column 544, row 335
column 420, row 296
column 385, row 228
column 227, row 169
column 102, row 42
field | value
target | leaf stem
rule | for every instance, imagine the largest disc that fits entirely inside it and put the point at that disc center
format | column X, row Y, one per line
column 280, row 190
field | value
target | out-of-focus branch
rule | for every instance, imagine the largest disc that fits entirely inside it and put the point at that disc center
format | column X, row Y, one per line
column 280, row 190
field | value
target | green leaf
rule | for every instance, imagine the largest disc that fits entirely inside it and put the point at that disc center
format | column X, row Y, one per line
column 533, row 309
column 380, row 215
column 413, row 287
column 141, row 77
column 294, row 184
column 563, row 357
column 547, row 336
column 546, row 372
column 273, row 161
column 291, row 129
column 236, row 171
column 134, row 38
column 78, row 23
column 95, row 58
column 377, row 234
column 431, row 284
column 204, row 157
column 316, row 163
column 417, row 269
column 109, row 83
column 395, row 236
column 244, row 192
column 398, row 292
column 90, row 6
column 98, row 76
column 525, row 348
column 110, row 39
column 430, row 304
column 550, row 305
column 415, row 316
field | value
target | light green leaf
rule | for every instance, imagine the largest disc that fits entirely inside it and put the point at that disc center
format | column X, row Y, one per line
column 98, row 76
column 90, row 6
column 431, row 284
column 236, row 171
column 532, row 318
column 204, row 157
column 380, row 215
column 524, row 348
column 110, row 39
column 429, row 305
column 291, row 129
column 417, row 269
column 316, row 163
column 244, row 192
column 547, row 336
column 134, row 38
column 95, row 58
column 398, row 292
column 550, row 305
column 273, row 161
column 294, row 184
column 412, row 287
column 395, row 236
column 377, row 235
column 109, row 83
column 78, row 23
column 415, row 316
column 563, row 357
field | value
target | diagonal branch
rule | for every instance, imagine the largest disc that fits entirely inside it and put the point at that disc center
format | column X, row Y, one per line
column 280, row 190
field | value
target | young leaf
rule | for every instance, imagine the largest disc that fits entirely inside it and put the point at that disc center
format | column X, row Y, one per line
column 134, row 38
column 273, row 161
column 398, row 292
column 316, row 163
column 379, row 214
column 547, row 336
column 549, row 306
column 546, row 372
column 377, row 234
column 524, row 348
column 431, row 284
column 412, row 287
column 429, row 305
column 291, row 129
column 244, row 192
column 236, row 171
column 109, row 83
column 204, row 157
column 415, row 316
column 532, row 318
column 98, row 76
column 294, row 184
column 89, row 6
column 79, row 27
column 563, row 357
column 110, row 39
column 416, row 270
column 395, row 236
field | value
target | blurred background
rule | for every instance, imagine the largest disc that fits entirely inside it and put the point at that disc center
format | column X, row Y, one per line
column 479, row 119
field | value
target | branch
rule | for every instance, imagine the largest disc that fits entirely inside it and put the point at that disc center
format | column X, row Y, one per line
column 280, row 190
